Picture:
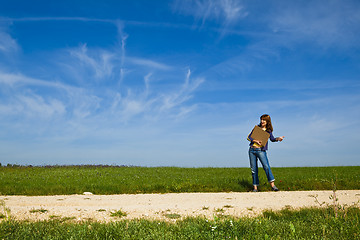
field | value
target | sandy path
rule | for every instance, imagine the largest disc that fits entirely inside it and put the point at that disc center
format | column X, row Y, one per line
column 157, row 206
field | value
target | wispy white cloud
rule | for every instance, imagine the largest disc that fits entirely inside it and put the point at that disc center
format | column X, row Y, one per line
column 74, row 104
column 156, row 104
column 37, row 19
column 102, row 66
column 122, row 36
column 184, row 93
column 18, row 80
column 149, row 63
column 55, row 99
column 225, row 12
column 336, row 23
column 37, row 106
column 7, row 43
column 284, row 23
column 128, row 106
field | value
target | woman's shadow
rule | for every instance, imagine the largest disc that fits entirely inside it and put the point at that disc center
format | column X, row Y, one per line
column 245, row 184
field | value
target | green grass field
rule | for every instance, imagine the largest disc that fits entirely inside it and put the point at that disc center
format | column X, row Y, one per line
column 58, row 180
column 332, row 222
column 285, row 224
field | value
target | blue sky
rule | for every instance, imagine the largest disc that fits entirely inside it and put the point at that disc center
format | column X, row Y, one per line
column 178, row 83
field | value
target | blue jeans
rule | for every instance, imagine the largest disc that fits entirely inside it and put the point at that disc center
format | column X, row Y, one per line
column 254, row 155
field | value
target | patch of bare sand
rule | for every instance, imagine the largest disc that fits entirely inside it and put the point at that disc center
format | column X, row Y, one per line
column 165, row 206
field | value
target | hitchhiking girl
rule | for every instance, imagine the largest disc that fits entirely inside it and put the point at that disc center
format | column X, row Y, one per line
column 257, row 151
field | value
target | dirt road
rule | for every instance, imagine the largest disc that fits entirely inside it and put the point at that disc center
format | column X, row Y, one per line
column 166, row 206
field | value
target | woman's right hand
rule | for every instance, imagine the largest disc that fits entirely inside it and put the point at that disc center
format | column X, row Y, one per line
column 257, row 142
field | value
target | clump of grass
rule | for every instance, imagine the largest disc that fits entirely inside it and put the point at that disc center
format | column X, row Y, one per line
column 173, row 215
column 41, row 210
column 61, row 219
column 118, row 213
column 219, row 210
column 5, row 210
column 64, row 219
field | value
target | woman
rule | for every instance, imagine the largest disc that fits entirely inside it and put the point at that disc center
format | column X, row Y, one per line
column 258, row 151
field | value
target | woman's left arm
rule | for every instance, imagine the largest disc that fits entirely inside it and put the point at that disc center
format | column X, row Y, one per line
column 274, row 139
column 279, row 139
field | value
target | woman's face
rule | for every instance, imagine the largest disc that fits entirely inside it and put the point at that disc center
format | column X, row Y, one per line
column 263, row 122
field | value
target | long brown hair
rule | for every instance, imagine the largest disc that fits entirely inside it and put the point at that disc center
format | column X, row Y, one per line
column 267, row 118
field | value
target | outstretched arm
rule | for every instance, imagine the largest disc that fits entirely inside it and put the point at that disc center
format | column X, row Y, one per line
column 274, row 139
column 279, row 139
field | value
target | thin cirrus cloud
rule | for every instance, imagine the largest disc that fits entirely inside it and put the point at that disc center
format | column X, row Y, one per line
column 102, row 67
column 19, row 96
column 126, row 101
column 96, row 65
column 82, row 103
column 333, row 24
column 225, row 12
column 150, row 64
column 7, row 43
column 156, row 105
